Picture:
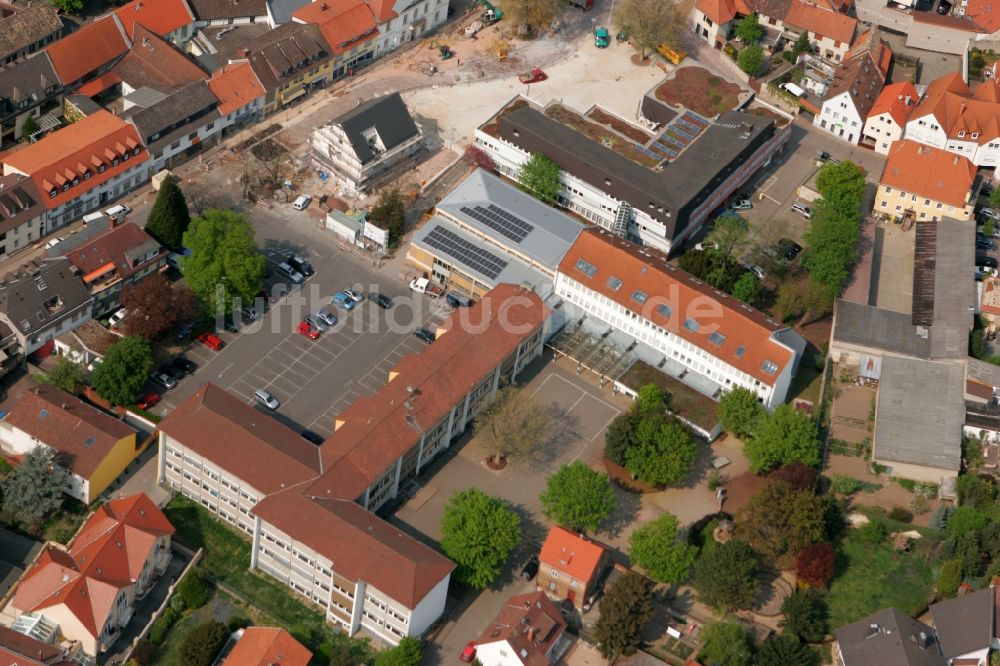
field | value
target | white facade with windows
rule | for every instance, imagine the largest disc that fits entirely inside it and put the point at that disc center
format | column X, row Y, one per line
column 840, row 117
column 413, row 20
column 980, row 149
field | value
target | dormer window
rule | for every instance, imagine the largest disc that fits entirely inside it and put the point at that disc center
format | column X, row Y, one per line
column 65, row 187
column 115, row 162
column 86, row 174
column 76, row 181
column 101, row 168
column 974, row 135
column 135, row 151
column 52, row 193
column 961, row 134
column 126, row 155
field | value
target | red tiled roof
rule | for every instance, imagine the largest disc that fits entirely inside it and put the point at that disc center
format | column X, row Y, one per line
column 82, row 434
column 531, row 624
column 932, row 173
column 16, row 649
column 75, row 151
column 862, row 73
column 983, row 14
column 161, row 16
column 343, row 23
column 242, row 440
column 823, row 22
column 85, row 50
column 748, row 334
column 898, row 100
column 720, row 11
column 571, row 554
column 115, row 250
column 384, row 11
column 100, row 84
column 153, row 61
column 267, row 646
column 235, row 86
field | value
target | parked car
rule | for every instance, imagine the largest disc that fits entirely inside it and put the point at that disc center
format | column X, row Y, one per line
column 314, row 321
column 469, row 653
column 380, row 300
column 266, row 399
column 355, row 295
column 758, row 271
column 312, row 437
column 302, row 202
column 185, row 330
column 990, row 213
column 943, row 8
column 989, row 262
column 116, row 318
column 52, row 243
column 986, row 244
column 309, row 331
column 162, row 380
column 530, row 569
column 249, row 313
column 823, row 155
column 741, row 204
column 210, row 341
column 789, row 248
column 290, row 273
column 229, row 323
column 301, row 265
column 424, row 335
column 534, row 76
column 802, row 210
column 342, row 300
column 147, row 400
column 169, row 370
column 327, row 317
column 119, row 211
column 457, row 300
column 183, row 364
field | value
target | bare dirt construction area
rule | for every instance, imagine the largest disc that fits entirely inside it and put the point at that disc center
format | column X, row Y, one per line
column 699, row 90
column 851, row 421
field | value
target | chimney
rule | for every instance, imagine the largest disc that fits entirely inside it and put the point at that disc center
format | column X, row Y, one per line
column 909, row 100
column 112, row 221
column 531, row 634
column 954, row 160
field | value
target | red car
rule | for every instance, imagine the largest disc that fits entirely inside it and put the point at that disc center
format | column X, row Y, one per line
column 307, row 330
column 210, row 341
column 534, row 76
column 469, row 653
column 147, row 401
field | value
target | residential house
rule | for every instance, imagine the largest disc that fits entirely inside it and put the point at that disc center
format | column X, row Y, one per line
column 349, row 28
column 228, row 12
column 42, row 300
column 924, row 183
column 171, row 19
column 857, row 83
column 115, row 262
column 28, row 87
column 82, row 166
column 25, row 29
column 360, row 147
column 953, row 118
column 290, row 61
column 88, row 52
column 86, row 343
column 528, row 631
column 90, row 588
column 570, row 566
column 240, row 96
column 266, row 646
column 696, row 329
column 659, row 206
column 18, row 649
column 94, row 447
column 309, row 510
column 402, row 21
column 887, row 118
column 22, row 215
column 967, row 627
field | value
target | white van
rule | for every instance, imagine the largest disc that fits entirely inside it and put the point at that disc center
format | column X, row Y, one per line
column 118, row 212
column 302, row 202
column 793, row 89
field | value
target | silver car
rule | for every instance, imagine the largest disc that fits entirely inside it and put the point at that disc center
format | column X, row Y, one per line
column 317, row 323
column 163, row 380
column 327, row 317
column 265, row 398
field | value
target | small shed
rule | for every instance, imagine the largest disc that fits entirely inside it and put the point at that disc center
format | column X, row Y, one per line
column 159, row 178
column 344, row 226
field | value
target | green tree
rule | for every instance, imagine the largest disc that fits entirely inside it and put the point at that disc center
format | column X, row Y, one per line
column 578, row 497
column 832, row 238
column 618, row 436
column 541, row 178
column 801, row 44
column 751, row 59
column 739, row 411
column 124, row 371
column 409, row 652
column 730, row 233
column 650, row 23
column 990, row 226
column 650, row 401
column 966, row 519
column 662, row 452
column 30, row 126
column 842, row 185
column 747, row 288
column 726, row 644
column 66, row 375
column 193, row 590
column 806, row 615
column 995, row 197
column 531, row 15
column 169, row 217
column 656, row 547
column 347, row 651
column 224, row 262
column 478, row 533
column 724, row 576
column 712, row 266
column 35, row 489
column 779, row 521
column 950, row 577
column 625, row 609
column 785, row 435
column 203, row 643
column 515, row 425
column 784, row 650
column 749, row 29
column 389, row 213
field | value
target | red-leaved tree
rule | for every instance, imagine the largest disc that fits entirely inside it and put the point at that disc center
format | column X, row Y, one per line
column 798, row 475
column 814, row 564
column 478, row 157
column 155, row 305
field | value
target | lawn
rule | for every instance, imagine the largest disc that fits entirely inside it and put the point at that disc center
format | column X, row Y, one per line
column 701, row 91
column 871, row 577
column 684, row 401
column 227, row 559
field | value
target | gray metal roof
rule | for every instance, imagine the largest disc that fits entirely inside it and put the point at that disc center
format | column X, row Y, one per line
column 390, row 118
column 983, row 372
column 888, row 638
column 965, row 624
column 281, row 10
column 878, row 328
column 954, row 289
column 920, row 413
column 41, row 293
column 550, row 233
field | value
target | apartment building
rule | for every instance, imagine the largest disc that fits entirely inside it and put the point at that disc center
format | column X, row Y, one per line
column 528, row 631
column 240, row 95
column 309, row 510
column 90, row 588
column 367, row 142
column 22, row 215
column 702, row 329
column 954, row 118
column 40, row 301
column 924, row 183
column 82, row 167
column 887, row 118
column 28, row 88
column 171, row 19
column 89, row 52
column 266, row 646
column 402, row 21
column 857, row 83
column 289, row 62
column 26, row 28
column 349, row 27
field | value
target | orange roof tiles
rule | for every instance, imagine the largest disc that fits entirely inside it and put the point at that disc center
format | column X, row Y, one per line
column 898, row 100
column 571, row 554
column 267, row 646
column 161, row 16
column 932, row 173
column 983, row 14
column 748, row 341
column 531, row 624
column 87, row 49
column 720, row 11
column 235, row 86
column 384, row 10
column 82, row 434
column 343, row 23
column 88, row 143
column 823, row 22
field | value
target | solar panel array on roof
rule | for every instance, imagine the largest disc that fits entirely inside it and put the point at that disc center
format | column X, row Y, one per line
column 461, row 250
column 509, row 226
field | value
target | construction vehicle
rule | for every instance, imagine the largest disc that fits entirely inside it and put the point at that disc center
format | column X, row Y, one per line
column 491, row 15
column 501, row 49
column 473, row 28
column 676, row 56
column 601, row 38
column 446, row 52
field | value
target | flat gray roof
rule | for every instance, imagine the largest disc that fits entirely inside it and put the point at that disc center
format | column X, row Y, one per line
column 878, row 328
column 549, row 233
column 921, row 410
column 954, row 289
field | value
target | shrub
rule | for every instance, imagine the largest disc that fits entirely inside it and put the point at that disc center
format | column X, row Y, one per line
column 142, row 655
column 900, row 514
column 177, row 604
column 194, row 591
column 873, row 532
column 950, row 578
column 939, row 519
column 238, row 622
column 158, row 632
column 201, row 646
column 966, row 519
column 844, row 485
column 908, row 484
